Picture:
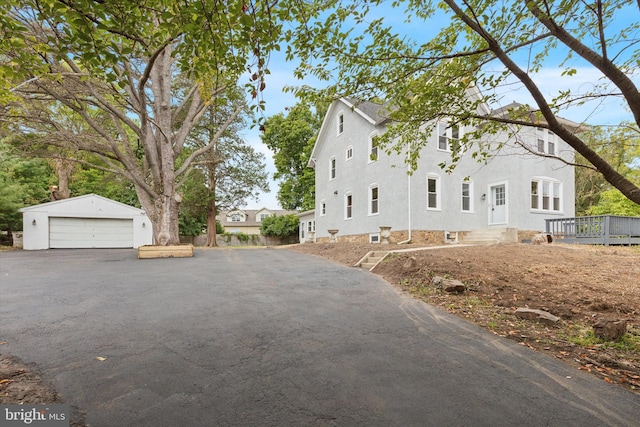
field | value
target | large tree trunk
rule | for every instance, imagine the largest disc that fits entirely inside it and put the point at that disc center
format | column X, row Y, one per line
column 211, row 223
column 211, row 211
column 64, row 169
column 166, row 231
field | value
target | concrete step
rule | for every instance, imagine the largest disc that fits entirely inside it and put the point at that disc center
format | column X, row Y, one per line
column 368, row 265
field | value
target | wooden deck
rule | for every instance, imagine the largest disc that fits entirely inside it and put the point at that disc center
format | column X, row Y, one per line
column 596, row 230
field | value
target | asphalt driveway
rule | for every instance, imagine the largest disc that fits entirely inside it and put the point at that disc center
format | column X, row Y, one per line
column 273, row 338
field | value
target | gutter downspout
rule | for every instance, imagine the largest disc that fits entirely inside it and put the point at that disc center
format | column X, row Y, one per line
column 408, row 205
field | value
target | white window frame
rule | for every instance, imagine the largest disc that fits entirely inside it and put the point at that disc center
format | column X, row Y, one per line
column 323, row 208
column 374, row 150
column 437, row 193
column 469, row 196
column 340, row 124
column 549, row 189
column 540, row 140
column 373, row 187
column 551, row 143
column 445, row 134
column 374, row 238
column 332, row 168
column 348, row 205
column 349, row 153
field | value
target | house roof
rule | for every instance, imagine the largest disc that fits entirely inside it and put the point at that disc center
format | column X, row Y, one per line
column 374, row 113
column 71, row 204
column 531, row 115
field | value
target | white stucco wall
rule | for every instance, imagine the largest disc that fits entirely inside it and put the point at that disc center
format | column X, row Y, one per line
column 403, row 199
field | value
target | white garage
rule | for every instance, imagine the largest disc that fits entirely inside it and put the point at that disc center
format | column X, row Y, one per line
column 89, row 221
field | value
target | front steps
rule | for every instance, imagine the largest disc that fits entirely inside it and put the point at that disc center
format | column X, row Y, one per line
column 371, row 259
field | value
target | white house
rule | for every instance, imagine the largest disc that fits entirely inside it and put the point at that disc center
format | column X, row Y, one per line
column 359, row 188
column 89, row 221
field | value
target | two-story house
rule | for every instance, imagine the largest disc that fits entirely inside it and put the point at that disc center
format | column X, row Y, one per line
column 360, row 188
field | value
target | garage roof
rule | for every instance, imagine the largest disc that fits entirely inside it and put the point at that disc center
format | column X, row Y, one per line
column 89, row 206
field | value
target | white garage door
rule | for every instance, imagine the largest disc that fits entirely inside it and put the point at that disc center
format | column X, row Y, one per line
column 90, row 233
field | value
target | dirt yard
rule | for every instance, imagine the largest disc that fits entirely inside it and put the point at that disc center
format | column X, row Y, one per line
column 578, row 284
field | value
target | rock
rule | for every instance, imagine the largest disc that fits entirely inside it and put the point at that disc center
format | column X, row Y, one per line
column 538, row 315
column 541, row 238
column 410, row 264
column 610, row 330
column 449, row 285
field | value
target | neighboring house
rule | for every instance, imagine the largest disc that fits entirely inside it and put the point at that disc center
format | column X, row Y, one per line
column 247, row 221
column 359, row 188
column 307, row 229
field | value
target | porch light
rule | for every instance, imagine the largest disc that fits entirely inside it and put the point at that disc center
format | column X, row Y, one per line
column 33, row 222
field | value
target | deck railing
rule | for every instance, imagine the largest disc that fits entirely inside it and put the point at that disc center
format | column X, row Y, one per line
column 596, row 230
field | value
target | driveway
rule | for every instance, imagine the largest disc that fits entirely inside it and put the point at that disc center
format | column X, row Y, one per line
column 273, row 338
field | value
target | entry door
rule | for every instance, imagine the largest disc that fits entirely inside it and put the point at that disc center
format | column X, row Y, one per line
column 498, row 214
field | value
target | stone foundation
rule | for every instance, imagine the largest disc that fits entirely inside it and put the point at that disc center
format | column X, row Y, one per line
column 421, row 237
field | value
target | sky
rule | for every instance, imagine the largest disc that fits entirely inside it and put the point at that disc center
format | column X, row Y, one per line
column 549, row 80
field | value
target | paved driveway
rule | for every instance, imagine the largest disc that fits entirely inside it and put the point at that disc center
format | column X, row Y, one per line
column 271, row 337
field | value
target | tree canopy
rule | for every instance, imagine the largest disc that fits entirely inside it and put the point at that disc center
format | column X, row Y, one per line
column 112, row 69
column 291, row 137
column 359, row 48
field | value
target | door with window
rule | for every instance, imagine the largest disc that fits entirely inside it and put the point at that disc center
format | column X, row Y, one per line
column 498, row 208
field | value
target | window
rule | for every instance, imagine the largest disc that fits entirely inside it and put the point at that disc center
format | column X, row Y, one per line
column 374, row 238
column 348, row 206
column 340, row 123
column 332, row 172
column 373, row 148
column 466, row 196
column 373, row 199
column 442, row 136
column 323, row 208
column 540, row 138
column 546, row 141
column 236, row 217
column 551, row 144
column 433, row 192
column 546, row 195
column 448, row 137
column 349, row 152
column 534, row 195
column 302, row 230
column 263, row 216
column 310, row 226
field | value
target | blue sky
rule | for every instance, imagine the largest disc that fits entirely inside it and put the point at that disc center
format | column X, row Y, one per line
column 549, row 80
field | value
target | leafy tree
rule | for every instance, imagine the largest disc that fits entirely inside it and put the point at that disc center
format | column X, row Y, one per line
column 613, row 202
column 291, row 138
column 500, row 47
column 114, row 66
column 231, row 171
column 280, row 226
column 23, row 182
column 621, row 148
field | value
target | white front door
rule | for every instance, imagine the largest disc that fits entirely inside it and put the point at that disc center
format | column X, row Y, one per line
column 498, row 213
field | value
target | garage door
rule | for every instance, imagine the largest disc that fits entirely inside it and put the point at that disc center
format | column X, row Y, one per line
column 90, row 233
